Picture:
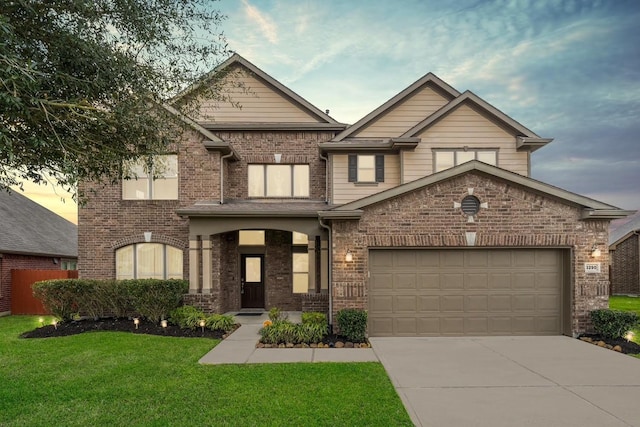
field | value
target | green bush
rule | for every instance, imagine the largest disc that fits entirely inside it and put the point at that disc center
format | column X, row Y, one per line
column 186, row 317
column 276, row 315
column 284, row 331
column 155, row 299
column 613, row 323
column 220, row 322
column 314, row 317
column 313, row 332
column 58, row 297
column 353, row 324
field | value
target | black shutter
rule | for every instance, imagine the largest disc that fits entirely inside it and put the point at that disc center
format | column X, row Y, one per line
column 380, row 168
column 353, row 168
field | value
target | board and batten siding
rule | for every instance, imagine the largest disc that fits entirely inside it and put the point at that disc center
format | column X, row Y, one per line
column 258, row 103
column 463, row 127
column 345, row 191
column 404, row 116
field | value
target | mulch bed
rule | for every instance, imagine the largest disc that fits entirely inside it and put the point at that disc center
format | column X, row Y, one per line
column 627, row 347
column 119, row 325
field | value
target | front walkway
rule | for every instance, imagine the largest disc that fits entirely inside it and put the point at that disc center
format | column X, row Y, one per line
column 240, row 347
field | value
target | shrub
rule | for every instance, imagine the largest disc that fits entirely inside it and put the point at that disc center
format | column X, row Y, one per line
column 314, row 317
column 284, row 331
column 313, row 332
column 220, row 322
column 58, row 297
column 184, row 316
column 276, row 315
column 155, row 299
column 353, row 324
column 613, row 323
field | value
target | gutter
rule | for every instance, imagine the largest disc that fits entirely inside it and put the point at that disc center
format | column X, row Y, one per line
column 330, row 272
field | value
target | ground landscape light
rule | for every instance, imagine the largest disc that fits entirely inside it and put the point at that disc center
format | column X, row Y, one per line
column 136, row 322
column 163, row 323
column 629, row 336
column 202, row 323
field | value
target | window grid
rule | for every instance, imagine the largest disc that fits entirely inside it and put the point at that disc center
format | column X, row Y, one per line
column 160, row 182
column 128, row 259
column 276, row 180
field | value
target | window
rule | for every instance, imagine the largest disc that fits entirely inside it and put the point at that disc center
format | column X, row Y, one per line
column 148, row 261
column 251, row 238
column 366, row 168
column 300, row 263
column 67, row 264
column 157, row 182
column 278, row 180
column 445, row 159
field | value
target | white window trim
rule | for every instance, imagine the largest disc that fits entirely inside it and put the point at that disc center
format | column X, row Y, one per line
column 135, row 260
column 455, row 152
column 151, row 178
column 292, row 186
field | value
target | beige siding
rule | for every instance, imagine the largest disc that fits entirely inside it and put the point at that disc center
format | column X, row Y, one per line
column 463, row 127
column 404, row 116
column 345, row 191
column 259, row 104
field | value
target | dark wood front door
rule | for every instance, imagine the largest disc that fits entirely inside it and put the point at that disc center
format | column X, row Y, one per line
column 252, row 281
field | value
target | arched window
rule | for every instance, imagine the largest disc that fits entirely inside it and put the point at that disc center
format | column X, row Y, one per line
column 148, row 261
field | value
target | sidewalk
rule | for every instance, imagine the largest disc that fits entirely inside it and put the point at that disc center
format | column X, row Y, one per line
column 240, row 347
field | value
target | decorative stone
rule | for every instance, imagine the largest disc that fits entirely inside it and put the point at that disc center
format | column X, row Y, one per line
column 618, row 348
column 313, row 345
column 268, row 346
column 224, row 337
column 281, row 345
column 587, row 339
column 304, row 345
column 609, row 346
column 289, row 345
column 339, row 344
column 601, row 344
column 348, row 344
column 260, row 345
column 297, row 346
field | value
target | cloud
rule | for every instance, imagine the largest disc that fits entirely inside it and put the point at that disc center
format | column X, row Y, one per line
column 268, row 28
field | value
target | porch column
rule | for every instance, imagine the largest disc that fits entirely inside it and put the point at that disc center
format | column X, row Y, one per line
column 312, row 265
column 324, row 266
column 206, row 265
column 194, row 265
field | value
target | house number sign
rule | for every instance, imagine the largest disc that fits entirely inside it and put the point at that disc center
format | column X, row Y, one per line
column 592, row 267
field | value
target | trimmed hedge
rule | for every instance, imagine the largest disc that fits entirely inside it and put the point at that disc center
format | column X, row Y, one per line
column 613, row 323
column 353, row 324
column 149, row 298
column 284, row 331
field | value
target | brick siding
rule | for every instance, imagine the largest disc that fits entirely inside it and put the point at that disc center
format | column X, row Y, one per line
column 625, row 267
column 514, row 218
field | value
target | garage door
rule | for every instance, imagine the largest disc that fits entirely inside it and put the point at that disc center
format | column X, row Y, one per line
column 465, row 292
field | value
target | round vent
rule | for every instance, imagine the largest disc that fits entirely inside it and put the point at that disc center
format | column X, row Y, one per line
column 470, row 205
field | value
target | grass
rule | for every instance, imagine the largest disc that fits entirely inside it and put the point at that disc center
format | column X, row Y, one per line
column 623, row 303
column 114, row 378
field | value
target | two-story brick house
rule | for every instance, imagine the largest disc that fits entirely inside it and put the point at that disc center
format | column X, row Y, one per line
column 422, row 213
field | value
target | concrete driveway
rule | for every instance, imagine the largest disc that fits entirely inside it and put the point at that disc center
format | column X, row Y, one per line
column 512, row 381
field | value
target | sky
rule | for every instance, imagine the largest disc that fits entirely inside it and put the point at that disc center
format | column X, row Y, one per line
column 566, row 69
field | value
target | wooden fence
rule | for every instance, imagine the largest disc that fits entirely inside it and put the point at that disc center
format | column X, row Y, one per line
column 22, row 299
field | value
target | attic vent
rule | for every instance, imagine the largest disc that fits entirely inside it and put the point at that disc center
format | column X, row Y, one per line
column 470, row 205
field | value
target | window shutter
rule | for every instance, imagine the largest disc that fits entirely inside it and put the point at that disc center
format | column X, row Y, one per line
column 380, row 168
column 353, row 168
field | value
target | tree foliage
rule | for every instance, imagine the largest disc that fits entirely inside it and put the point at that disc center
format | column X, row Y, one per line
column 82, row 82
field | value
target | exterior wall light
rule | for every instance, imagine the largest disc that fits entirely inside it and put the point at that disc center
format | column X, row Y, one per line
column 595, row 252
column 147, row 236
column 348, row 256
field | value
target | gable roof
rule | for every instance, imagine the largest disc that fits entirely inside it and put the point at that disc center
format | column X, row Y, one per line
column 625, row 230
column 29, row 228
column 427, row 79
column 278, row 87
column 592, row 209
column 526, row 137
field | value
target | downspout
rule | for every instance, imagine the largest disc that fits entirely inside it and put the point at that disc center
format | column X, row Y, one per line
column 326, row 179
column 222, row 158
column 330, row 272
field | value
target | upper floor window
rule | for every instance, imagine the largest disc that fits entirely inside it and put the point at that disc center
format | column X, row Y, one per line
column 278, row 181
column 152, row 182
column 251, row 238
column 445, row 159
column 148, row 261
column 366, row 168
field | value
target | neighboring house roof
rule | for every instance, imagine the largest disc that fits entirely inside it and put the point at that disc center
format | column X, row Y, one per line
column 284, row 91
column 427, row 79
column 591, row 208
column 622, row 232
column 526, row 137
column 29, row 228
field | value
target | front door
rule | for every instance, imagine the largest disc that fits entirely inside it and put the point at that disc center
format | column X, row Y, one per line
column 252, row 281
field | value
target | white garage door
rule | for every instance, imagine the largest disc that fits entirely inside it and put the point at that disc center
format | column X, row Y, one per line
column 422, row 292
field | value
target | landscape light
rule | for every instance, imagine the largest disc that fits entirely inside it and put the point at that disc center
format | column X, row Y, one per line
column 136, row 322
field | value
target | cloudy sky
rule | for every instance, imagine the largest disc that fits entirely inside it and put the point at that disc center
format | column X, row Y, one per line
column 567, row 69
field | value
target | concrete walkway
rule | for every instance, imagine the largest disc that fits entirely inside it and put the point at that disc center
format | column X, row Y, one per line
column 240, row 347
column 512, row 381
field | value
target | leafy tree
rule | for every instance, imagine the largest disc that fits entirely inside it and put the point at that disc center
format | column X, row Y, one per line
column 82, row 82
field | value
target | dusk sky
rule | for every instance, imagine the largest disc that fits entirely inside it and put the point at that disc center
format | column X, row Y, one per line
column 566, row 69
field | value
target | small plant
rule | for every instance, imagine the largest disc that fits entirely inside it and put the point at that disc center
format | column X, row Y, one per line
column 186, row 317
column 314, row 317
column 276, row 315
column 220, row 322
column 353, row 324
column 612, row 323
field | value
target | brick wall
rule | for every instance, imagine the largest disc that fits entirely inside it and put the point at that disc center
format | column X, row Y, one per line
column 514, row 218
column 625, row 267
column 10, row 262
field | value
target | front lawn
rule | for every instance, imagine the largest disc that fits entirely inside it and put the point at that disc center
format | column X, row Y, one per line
column 117, row 378
column 623, row 303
